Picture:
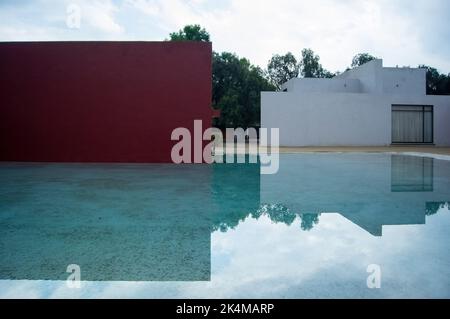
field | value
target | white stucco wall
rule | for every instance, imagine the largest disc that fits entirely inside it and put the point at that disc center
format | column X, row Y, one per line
column 371, row 77
column 318, row 119
column 351, row 109
column 404, row 81
column 344, row 119
column 369, row 74
column 311, row 85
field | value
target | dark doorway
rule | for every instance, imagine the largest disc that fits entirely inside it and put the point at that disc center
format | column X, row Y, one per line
column 412, row 124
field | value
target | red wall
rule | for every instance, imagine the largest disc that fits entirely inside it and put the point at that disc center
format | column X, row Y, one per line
column 100, row 101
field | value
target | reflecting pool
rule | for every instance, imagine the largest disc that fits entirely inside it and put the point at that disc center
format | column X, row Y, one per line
column 223, row 230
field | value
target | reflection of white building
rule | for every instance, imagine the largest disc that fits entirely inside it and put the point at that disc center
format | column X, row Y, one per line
column 369, row 105
column 370, row 190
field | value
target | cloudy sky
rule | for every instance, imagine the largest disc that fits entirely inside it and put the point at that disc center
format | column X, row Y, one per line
column 402, row 32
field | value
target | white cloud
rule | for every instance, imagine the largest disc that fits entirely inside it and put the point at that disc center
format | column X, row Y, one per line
column 46, row 20
column 399, row 32
column 100, row 15
column 147, row 7
column 336, row 30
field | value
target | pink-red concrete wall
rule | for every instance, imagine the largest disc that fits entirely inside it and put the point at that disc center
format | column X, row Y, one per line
column 100, row 101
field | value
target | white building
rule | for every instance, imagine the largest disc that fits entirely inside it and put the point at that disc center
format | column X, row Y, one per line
column 370, row 105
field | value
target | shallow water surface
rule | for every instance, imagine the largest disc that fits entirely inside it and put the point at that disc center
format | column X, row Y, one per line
column 224, row 230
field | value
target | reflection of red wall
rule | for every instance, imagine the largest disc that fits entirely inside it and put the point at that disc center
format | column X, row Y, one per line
column 100, row 101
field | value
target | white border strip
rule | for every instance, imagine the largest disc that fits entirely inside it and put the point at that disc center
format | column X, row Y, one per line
column 435, row 156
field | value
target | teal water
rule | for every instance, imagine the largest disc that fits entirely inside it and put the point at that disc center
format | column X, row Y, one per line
column 224, row 230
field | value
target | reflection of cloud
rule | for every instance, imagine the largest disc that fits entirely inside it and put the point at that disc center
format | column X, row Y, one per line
column 260, row 258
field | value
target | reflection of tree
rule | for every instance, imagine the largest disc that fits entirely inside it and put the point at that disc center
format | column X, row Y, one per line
column 235, row 191
column 308, row 221
column 223, row 227
column 431, row 208
column 277, row 213
column 236, row 196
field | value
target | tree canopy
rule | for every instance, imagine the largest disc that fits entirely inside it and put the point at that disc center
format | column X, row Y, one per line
column 437, row 83
column 282, row 68
column 361, row 58
column 190, row 33
column 310, row 66
column 237, row 84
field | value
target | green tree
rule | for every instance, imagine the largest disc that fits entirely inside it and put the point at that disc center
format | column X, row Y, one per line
column 361, row 58
column 236, row 83
column 310, row 66
column 436, row 83
column 282, row 68
column 190, row 33
column 237, row 86
column 446, row 85
column 327, row 74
